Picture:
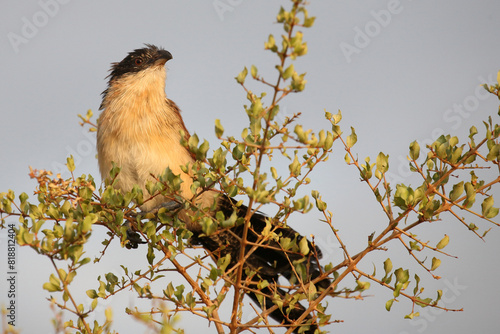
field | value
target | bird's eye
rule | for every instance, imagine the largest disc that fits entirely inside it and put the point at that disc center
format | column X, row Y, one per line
column 138, row 61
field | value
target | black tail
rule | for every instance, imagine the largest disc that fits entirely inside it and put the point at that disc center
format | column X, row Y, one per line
column 267, row 262
column 281, row 316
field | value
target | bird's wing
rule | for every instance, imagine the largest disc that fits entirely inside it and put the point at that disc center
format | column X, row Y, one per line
column 269, row 259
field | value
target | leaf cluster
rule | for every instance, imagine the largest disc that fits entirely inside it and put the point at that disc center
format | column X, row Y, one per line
column 59, row 223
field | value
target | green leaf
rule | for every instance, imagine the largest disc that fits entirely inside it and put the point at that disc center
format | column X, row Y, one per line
column 150, row 255
column 337, row 117
column 108, row 313
column 397, row 289
column 417, row 282
column 70, row 163
column 51, row 287
column 414, row 150
column 285, row 243
column 367, row 170
column 298, row 83
column 362, row 285
column 487, row 208
column 388, row 304
column 494, row 152
column 328, row 141
column 439, row 295
column 179, row 292
column 312, row 293
column 402, row 276
column 271, row 44
column 308, row 22
column 288, row 72
column 92, row 294
column 274, row 173
column 299, row 131
column 457, row 191
column 223, row 262
column 442, row 244
column 304, row 247
column 382, row 162
column 414, row 245
column 111, row 278
column 219, row 129
column 387, row 266
column 412, row 315
column 88, row 221
column 54, row 280
column 352, row 138
column 471, row 195
column 169, row 291
column 435, row 263
column 319, row 203
column 62, row 274
column 253, row 71
column 472, row 132
column 241, row 76
column 423, row 303
column 201, row 154
column 208, row 226
column 295, row 167
column 456, row 155
column 404, row 196
column 453, row 141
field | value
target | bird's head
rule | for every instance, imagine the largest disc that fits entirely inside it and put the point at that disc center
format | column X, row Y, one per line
column 139, row 60
column 140, row 72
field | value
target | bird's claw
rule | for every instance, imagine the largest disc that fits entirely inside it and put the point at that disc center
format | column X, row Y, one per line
column 134, row 238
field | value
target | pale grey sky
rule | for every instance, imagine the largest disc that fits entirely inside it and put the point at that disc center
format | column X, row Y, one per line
column 399, row 71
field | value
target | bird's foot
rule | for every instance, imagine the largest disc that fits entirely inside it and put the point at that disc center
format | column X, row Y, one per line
column 134, row 238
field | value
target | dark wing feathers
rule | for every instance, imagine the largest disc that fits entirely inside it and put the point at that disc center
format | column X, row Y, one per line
column 268, row 261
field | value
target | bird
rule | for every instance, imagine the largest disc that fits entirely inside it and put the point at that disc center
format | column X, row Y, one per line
column 141, row 131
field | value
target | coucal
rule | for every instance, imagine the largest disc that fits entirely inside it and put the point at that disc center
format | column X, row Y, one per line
column 140, row 130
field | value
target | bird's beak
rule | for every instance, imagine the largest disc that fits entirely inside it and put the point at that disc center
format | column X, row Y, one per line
column 163, row 57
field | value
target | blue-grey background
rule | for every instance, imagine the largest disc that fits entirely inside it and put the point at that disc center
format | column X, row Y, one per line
column 411, row 71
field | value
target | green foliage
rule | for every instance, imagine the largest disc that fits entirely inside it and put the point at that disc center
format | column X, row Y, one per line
column 59, row 222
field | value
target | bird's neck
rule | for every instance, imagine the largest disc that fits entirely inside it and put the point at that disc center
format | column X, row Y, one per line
column 142, row 92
